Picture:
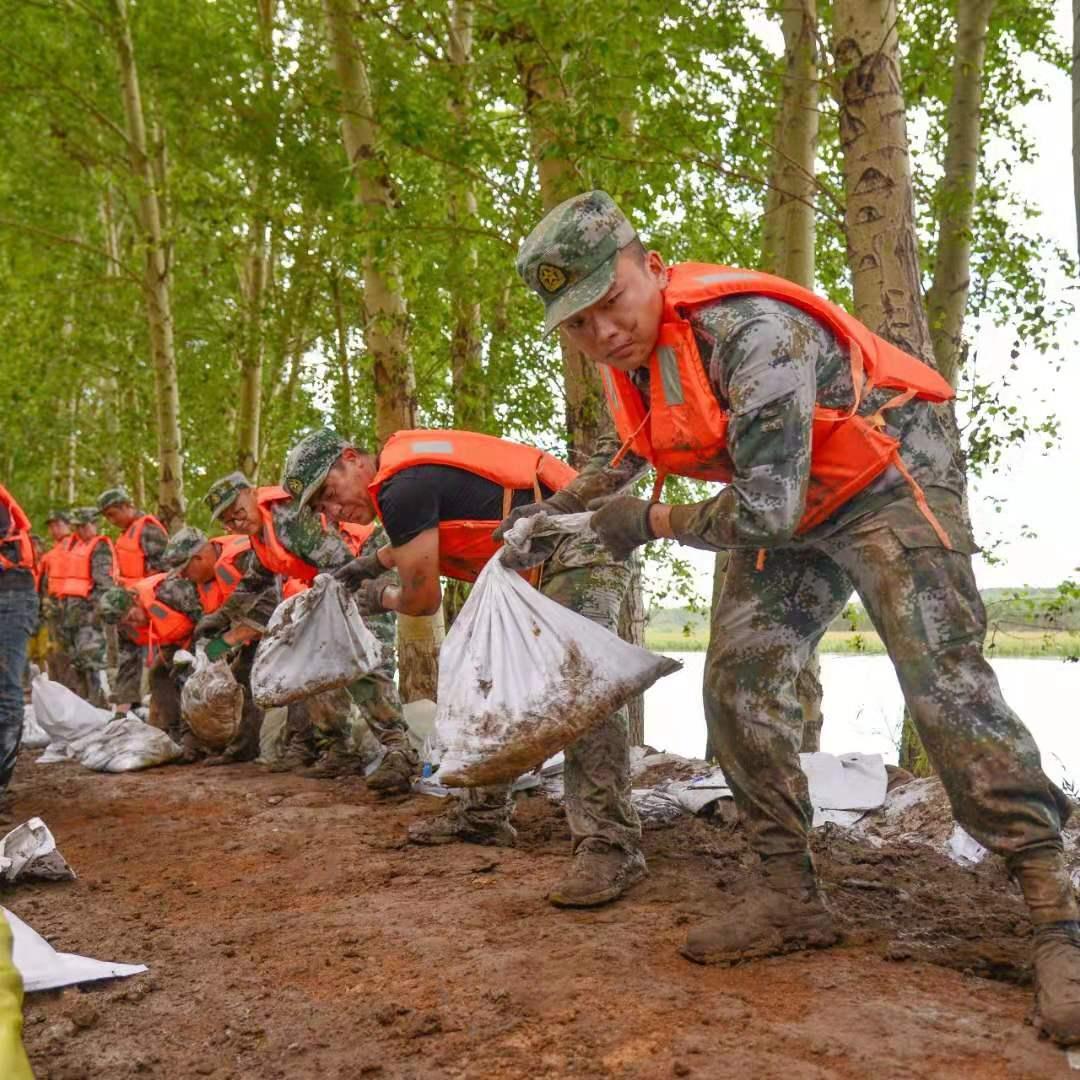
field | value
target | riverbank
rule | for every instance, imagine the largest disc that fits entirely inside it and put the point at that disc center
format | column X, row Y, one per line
column 1004, row 643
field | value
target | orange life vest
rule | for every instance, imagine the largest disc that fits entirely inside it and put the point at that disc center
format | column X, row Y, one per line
column 18, row 535
column 227, row 574
column 167, row 626
column 465, row 546
column 268, row 546
column 356, row 536
column 69, row 568
column 130, row 558
column 683, row 430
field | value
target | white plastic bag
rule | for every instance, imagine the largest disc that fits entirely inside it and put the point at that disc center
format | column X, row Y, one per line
column 212, row 701
column 521, row 677
column 124, row 745
column 314, row 641
column 34, row 736
column 63, row 716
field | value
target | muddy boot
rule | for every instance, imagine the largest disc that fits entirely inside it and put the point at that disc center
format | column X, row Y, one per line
column 454, row 827
column 395, row 773
column 785, row 912
column 332, row 763
column 296, row 756
column 599, row 874
column 1048, row 892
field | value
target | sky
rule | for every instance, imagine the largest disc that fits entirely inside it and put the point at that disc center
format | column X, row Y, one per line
column 1039, row 522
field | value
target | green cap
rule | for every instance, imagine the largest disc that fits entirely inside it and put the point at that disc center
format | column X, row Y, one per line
column 568, row 260
column 223, row 492
column 84, row 515
column 179, row 550
column 308, row 462
column 115, row 604
column 58, row 515
column 112, row 497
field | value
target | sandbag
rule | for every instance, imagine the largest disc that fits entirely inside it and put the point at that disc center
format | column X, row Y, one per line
column 315, row 641
column 521, row 677
column 124, row 745
column 212, row 701
column 63, row 716
column 34, row 736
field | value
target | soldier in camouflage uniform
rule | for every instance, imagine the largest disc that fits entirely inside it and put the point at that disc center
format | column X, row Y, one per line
column 117, row 507
column 233, row 500
column 331, row 475
column 901, row 541
column 81, row 632
column 58, row 663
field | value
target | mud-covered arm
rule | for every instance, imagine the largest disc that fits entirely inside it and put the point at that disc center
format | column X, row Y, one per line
column 599, row 478
column 153, row 541
column 766, row 371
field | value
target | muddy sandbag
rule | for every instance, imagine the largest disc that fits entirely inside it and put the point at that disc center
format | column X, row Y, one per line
column 124, row 744
column 212, row 701
column 315, row 641
column 521, row 677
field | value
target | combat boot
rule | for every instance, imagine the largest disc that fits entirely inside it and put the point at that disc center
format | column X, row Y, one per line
column 395, row 773
column 784, row 912
column 1048, row 892
column 600, row 873
column 332, row 763
column 454, row 827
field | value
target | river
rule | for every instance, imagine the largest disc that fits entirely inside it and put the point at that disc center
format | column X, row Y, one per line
column 863, row 707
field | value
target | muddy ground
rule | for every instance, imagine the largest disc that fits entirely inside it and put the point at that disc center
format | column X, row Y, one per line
column 291, row 932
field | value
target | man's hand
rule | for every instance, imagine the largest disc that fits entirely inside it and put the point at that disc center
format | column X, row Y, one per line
column 353, row 574
column 562, row 502
column 369, row 596
column 622, row 524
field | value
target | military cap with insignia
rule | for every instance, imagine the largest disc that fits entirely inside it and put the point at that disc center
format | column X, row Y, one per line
column 308, row 462
column 223, row 492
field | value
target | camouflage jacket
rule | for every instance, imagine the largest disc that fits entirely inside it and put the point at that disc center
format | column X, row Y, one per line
column 769, row 364
column 153, row 541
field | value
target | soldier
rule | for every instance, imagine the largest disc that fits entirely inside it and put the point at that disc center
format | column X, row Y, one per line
column 58, row 663
column 78, row 579
column 439, row 495
column 18, row 617
column 295, row 544
column 138, row 554
column 839, row 474
column 158, row 614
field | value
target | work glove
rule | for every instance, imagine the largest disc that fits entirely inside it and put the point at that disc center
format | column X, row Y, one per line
column 369, row 596
column 353, row 574
column 217, row 648
column 562, row 502
column 622, row 524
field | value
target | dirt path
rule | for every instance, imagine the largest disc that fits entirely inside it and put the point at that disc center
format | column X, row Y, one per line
column 291, row 933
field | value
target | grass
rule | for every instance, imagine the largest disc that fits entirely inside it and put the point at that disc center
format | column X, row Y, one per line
column 1013, row 643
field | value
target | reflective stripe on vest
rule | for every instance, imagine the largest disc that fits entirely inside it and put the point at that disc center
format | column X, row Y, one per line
column 130, row 557
column 683, row 428
column 465, row 546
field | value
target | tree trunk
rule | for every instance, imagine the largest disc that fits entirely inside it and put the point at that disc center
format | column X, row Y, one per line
column 384, row 307
column 157, row 279
column 946, row 301
column 343, row 399
column 1076, row 119
column 466, row 366
column 880, row 218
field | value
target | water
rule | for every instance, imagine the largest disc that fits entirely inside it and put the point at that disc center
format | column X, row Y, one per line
column 863, row 707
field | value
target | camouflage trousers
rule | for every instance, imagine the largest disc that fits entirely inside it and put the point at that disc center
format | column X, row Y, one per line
column 83, row 639
column 924, row 603
column 131, row 661
column 376, row 695
column 581, row 575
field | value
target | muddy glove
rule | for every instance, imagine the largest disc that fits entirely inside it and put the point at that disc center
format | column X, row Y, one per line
column 369, row 596
column 622, row 524
column 353, row 574
column 562, row 502
column 217, row 648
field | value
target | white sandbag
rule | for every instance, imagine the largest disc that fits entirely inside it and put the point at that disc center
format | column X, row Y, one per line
column 63, row 716
column 124, row 745
column 521, row 677
column 34, row 736
column 29, row 851
column 212, row 701
column 314, row 641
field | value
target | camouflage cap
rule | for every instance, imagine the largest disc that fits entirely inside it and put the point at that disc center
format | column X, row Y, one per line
column 115, row 604
column 568, row 260
column 84, row 515
column 308, row 462
column 188, row 542
column 112, row 497
column 58, row 515
column 223, row 492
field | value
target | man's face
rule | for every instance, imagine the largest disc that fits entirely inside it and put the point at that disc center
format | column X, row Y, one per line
column 119, row 514
column 344, row 493
column 58, row 530
column 242, row 515
column 621, row 328
column 87, row 531
column 200, row 567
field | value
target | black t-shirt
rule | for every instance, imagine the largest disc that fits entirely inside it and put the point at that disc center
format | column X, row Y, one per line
column 418, row 498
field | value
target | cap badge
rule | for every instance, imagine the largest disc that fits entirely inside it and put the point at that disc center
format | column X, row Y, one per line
column 552, row 278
